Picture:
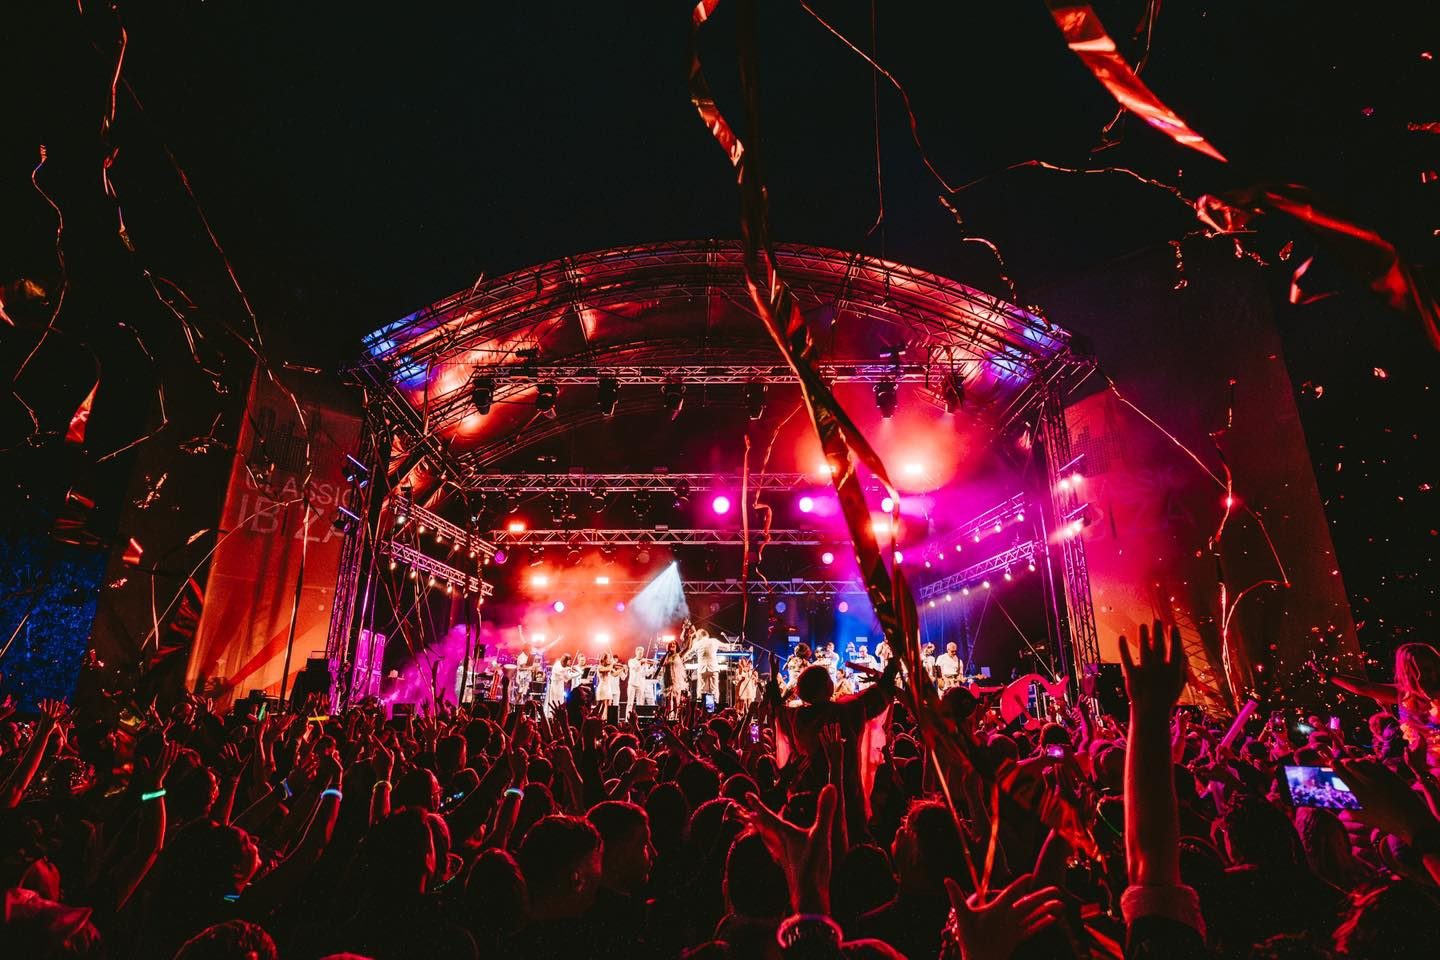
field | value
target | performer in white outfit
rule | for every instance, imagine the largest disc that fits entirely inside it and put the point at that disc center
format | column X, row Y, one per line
column 706, row 651
column 950, row 666
column 827, row 658
column 639, row 689
column 558, row 687
column 747, row 684
column 863, row 659
column 607, row 688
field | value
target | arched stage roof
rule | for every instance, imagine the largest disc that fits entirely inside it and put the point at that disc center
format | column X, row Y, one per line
column 680, row 311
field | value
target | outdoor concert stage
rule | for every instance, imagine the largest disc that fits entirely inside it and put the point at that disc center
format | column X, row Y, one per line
column 546, row 443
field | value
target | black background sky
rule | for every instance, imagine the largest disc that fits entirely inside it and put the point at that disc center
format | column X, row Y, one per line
column 359, row 161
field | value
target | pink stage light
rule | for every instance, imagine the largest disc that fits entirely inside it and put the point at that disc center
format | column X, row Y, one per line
column 843, row 606
column 899, row 557
column 501, row 556
column 807, row 504
column 827, row 558
column 540, row 580
column 721, row 504
column 558, row 606
column 887, row 505
column 915, row 469
column 619, row 606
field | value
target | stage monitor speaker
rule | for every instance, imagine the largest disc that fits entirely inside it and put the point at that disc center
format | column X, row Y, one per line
column 1110, row 691
column 315, row 678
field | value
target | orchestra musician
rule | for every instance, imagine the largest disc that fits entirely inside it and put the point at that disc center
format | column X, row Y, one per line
column 607, row 683
column 674, row 669
column 747, row 684
column 562, row 674
column 638, row 691
column 826, row 657
column 527, row 665
column 705, row 649
column 797, row 663
column 950, row 667
column 883, row 653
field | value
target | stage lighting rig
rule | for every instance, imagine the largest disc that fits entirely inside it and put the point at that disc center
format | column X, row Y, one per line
column 546, row 396
column 482, row 393
column 886, row 397
column 607, row 395
column 952, row 393
column 682, row 494
column 755, row 400
column 673, row 396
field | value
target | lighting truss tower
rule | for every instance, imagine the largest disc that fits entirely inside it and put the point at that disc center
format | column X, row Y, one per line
column 357, row 551
column 1067, row 502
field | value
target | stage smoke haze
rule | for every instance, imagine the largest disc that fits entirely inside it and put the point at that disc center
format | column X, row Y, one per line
column 662, row 602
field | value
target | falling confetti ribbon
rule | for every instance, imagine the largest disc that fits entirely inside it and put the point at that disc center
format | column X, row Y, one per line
column 1086, row 37
column 1369, row 256
column 844, row 446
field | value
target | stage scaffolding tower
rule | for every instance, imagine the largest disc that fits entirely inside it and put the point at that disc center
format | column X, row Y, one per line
column 354, row 586
column 1069, row 514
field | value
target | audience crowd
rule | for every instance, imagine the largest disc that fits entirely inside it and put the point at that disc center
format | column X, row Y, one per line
column 810, row 825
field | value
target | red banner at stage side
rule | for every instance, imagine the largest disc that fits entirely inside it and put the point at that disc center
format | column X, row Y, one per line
column 275, row 527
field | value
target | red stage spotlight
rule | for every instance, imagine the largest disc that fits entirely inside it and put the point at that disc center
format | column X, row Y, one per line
column 540, row 580
column 721, row 504
column 515, row 526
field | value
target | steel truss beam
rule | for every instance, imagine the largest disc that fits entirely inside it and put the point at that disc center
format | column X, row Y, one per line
column 1066, row 505
column 658, row 537
column 976, row 572
column 600, row 484
column 984, row 524
column 952, row 325
column 756, row 588
column 708, row 374
column 405, row 508
column 442, row 572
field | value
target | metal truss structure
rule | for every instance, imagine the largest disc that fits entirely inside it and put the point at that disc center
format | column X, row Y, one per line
column 455, row 386
column 659, row 537
column 1023, row 553
column 565, row 374
column 602, row 484
column 991, row 521
column 575, row 319
column 422, row 563
column 1067, row 509
column 357, row 553
column 755, row 588
column 428, row 521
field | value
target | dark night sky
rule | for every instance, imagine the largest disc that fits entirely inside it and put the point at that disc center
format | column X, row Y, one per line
column 360, row 161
